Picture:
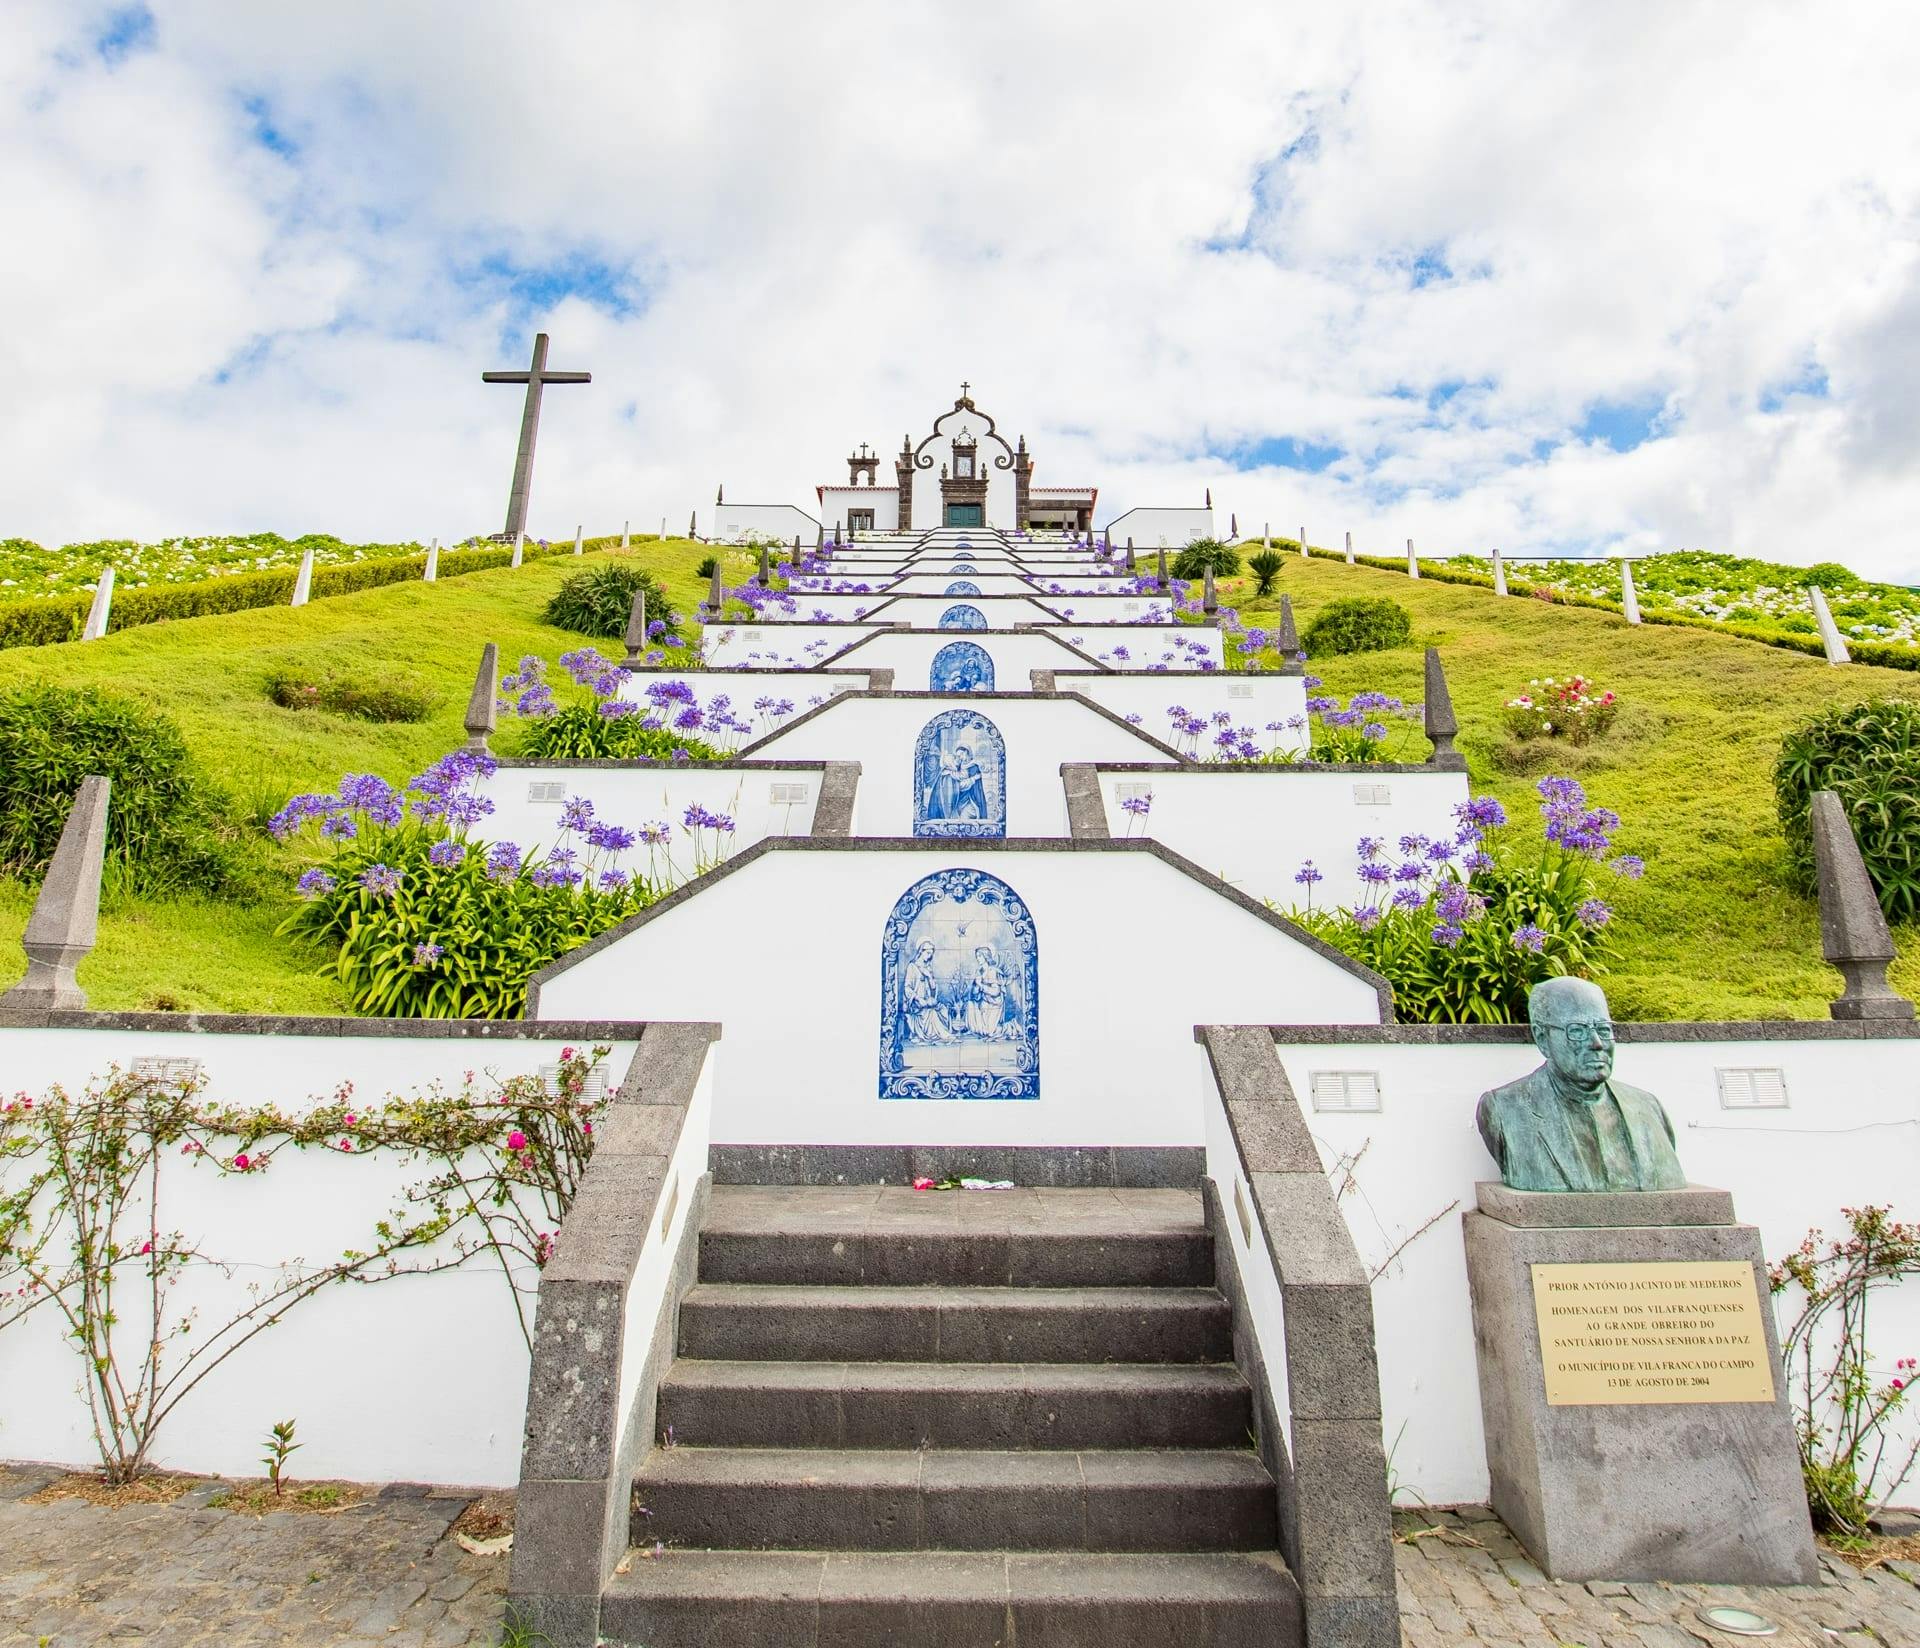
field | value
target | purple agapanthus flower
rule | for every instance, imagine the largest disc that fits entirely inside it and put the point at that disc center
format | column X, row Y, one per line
column 381, row 879
column 1529, row 937
column 503, row 861
column 1630, row 866
column 425, row 955
column 444, row 853
column 314, row 883
column 1594, row 913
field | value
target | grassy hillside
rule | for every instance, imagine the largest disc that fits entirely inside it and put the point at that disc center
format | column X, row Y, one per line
column 1711, row 932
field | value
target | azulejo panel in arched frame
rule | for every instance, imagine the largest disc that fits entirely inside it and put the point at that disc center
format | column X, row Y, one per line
column 963, row 566
column 960, row 777
column 961, row 586
column 959, row 991
column 961, row 666
column 963, row 616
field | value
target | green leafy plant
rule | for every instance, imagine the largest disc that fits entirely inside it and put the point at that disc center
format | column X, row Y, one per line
column 1842, row 1406
column 1463, row 928
column 1357, row 623
column 365, row 699
column 1869, row 755
column 280, row 1446
column 707, row 566
column 1193, row 561
column 158, row 819
column 1266, row 568
column 598, row 600
column 1571, row 708
column 609, row 725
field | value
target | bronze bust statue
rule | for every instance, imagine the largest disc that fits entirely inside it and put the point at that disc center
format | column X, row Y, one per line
column 1569, row 1125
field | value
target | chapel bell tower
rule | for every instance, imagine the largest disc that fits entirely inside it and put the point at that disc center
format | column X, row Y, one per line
column 862, row 463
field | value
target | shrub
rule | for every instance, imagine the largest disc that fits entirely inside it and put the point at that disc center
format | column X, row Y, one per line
column 1869, row 755
column 157, row 814
column 369, row 700
column 1266, row 568
column 1568, row 709
column 1193, row 561
column 1463, row 928
column 707, row 567
column 598, row 601
column 424, row 923
column 1357, row 623
column 609, row 727
column 1830, row 575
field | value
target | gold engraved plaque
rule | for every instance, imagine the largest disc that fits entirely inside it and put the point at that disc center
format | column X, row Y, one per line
column 1687, row 1331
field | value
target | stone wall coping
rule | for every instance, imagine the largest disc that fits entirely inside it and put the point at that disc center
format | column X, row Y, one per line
column 1334, row 1503
column 287, row 1024
column 1277, row 769
column 1383, row 991
column 1645, row 1031
column 728, row 763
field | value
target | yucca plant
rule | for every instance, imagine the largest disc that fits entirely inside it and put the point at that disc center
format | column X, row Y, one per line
column 1869, row 755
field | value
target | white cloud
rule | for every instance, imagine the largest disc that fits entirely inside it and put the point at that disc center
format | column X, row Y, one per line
column 1149, row 239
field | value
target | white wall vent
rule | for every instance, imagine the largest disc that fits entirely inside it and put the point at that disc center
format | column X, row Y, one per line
column 753, row 635
column 787, row 795
column 593, row 1092
column 166, row 1070
column 1346, row 1092
column 1239, row 689
column 1373, row 795
column 554, row 792
column 1132, row 792
column 1755, row 1088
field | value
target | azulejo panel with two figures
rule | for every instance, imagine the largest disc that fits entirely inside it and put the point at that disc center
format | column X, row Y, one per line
column 961, row 666
column 960, row 991
column 960, row 777
column 963, row 616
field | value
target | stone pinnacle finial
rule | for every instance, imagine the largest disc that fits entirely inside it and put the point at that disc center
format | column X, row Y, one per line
column 303, row 580
column 1132, row 564
column 1287, row 640
column 693, row 523
column 1853, row 930
column 1209, row 601
column 1209, row 497
column 483, row 713
column 716, row 596
column 1499, row 574
column 766, row 567
column 1441, row 725
column 1233, row 527
column 1163, row 566
column 66, row 916
column 637, row 629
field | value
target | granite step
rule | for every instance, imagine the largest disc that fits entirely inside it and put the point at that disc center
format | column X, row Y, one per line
column 1166, row 1500
column 954, row 1404
column 750, row 1321
column 792, row 1599
column 888, row 1235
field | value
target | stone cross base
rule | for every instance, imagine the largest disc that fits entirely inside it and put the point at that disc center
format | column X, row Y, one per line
column 1705, row 1491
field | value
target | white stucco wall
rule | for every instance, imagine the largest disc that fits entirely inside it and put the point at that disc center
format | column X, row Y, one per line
column 1141, row 647
column 1151, row 528
column 1040, row 734
column 777, row 646
column 882, row 499
column 927, row 510
column 1114, row 1060
column 1850, row 1136
column 1253, row 828
column 761, row 800
column 739, row 523
column 909, row 654
column 806, row 688
column 419, row 1378
column 1251, row 698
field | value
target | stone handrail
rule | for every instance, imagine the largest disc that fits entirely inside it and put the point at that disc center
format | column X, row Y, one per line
column 604, row 1332
column 1304, row 1338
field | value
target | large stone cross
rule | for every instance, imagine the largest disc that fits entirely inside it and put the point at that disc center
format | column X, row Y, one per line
column 536, row 378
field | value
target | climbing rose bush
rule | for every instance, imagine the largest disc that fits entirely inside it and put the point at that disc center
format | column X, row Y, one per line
column 1464, row 926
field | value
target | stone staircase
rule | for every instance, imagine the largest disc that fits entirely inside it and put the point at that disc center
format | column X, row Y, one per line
column 995, row 1418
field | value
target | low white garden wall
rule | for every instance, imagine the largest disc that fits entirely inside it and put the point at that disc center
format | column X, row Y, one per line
column 1015, row 654
column 1252, row 698
column 1146, row 646
column 1254, row 827
column 414, row 1378
column 1132, row 953
column 1039, row 733
column 777, row 646
column 1848, row 1135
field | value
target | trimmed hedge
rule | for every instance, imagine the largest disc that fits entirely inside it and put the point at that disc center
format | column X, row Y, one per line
column 49, row 620
column 1863, row 652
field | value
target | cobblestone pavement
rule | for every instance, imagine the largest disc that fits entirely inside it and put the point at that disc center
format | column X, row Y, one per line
column 386, row 1572
column 1464, row 1582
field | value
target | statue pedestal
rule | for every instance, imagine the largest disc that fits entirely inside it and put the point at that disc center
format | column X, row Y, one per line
column 1636, row 1417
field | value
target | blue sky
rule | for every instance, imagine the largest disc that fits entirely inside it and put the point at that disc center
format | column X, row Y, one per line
column 1514, row 277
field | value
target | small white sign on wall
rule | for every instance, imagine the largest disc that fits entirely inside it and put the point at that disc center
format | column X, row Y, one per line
column 1239, row 689
column 1346, row 1092
column 1373, row 795
column 1752, row 1088
column 546, row 790
column 787, row 795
